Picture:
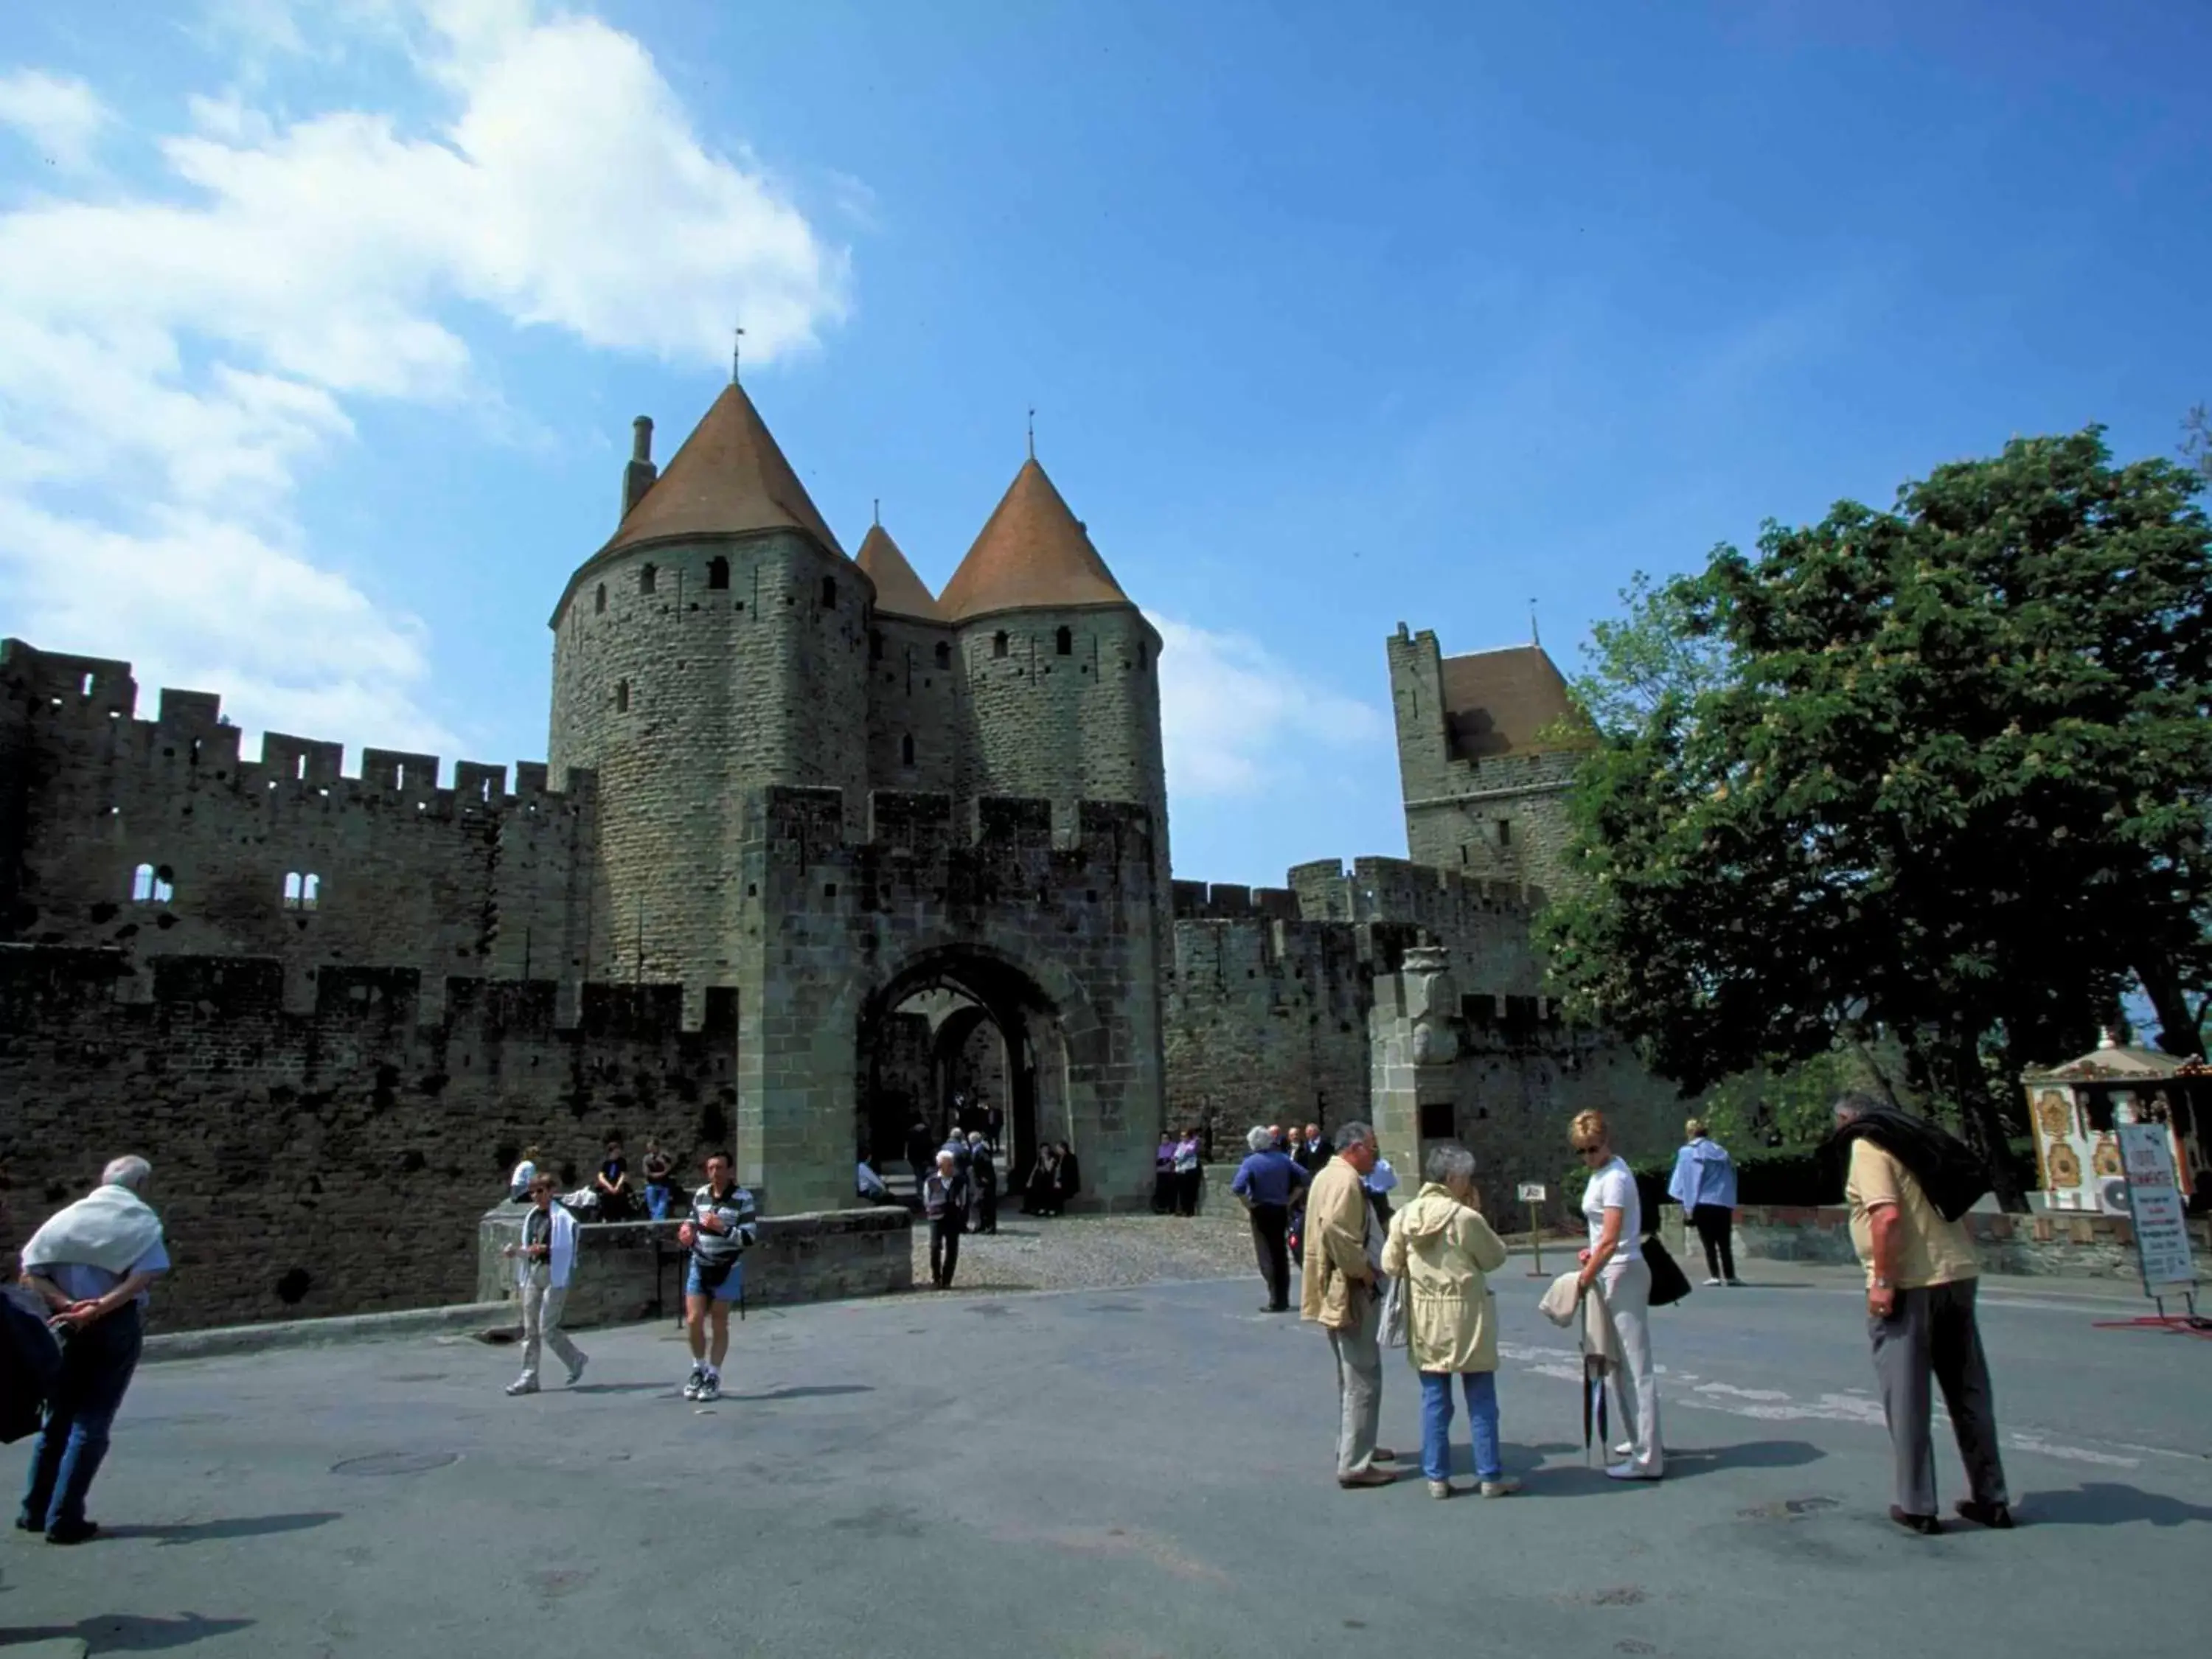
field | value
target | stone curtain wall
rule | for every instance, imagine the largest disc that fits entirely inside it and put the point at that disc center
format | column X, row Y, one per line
column 336, row 1160
column 464, row 880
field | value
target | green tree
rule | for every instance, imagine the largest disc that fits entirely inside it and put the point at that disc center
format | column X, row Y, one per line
column 1649, row 653
column 2197, row 441
column 1947, row 786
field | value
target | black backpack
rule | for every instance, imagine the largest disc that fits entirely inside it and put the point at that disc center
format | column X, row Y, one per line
column 30, row 1365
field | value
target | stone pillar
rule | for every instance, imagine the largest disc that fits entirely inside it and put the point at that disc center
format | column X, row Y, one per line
column 1413, row 1043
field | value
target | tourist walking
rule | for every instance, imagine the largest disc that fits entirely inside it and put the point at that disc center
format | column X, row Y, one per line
column 1189, row 1172
column 1703, row 1184
column 92, row 1265
column 945, row 1206
column 722, row 1228
column 1442, row 1251
column 1265, row 1181
column 1908, row 1183
column 1341, row 1292
column 543, row 1261
column 1312, row 1151
column 920, row 1154
column 1164, row 1174
column 660, row 1174
column 1615, row 1261
column 995, row 1128
column 983, row 1185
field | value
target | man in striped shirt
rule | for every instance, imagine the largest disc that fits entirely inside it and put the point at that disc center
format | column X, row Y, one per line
column 722, row 1227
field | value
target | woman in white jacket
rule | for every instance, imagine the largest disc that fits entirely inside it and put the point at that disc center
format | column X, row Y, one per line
column 543, row 1262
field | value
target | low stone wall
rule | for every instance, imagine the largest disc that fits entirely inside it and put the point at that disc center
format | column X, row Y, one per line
column 627, row 1271
column 2092, row 1246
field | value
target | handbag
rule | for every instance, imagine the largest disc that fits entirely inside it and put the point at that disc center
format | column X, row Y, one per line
column 1394, row 1314
column 1669, row 1283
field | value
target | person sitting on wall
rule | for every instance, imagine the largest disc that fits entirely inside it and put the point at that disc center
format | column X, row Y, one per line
column 722, row 1228
column 660, row 1175
column 612, row 1183
column 518, row 1184
column 92, row 1265
column 870, row 1185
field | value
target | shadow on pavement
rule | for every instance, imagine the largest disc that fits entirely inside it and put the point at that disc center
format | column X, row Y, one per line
column 243, row 1526
column 123, row 1633
column 620, row 1388
column 1578, row 1479
column 2106, row 1503
column 805, row 1393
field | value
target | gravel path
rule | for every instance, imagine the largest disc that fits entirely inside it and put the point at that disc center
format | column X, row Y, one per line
column 1073, row 1252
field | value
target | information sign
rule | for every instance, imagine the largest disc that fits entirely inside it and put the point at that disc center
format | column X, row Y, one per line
column 1532, row 1193
column 2154, row 1197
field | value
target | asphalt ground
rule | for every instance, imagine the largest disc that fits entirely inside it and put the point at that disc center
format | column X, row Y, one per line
column 1126, row 1472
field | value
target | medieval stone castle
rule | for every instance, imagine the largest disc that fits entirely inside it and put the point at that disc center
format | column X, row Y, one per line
column 813, row 848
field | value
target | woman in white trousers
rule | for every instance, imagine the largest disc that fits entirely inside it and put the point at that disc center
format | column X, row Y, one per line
column 1614, row 1263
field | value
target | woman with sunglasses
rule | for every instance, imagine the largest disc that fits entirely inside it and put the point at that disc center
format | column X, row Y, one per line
column 1614, row 1263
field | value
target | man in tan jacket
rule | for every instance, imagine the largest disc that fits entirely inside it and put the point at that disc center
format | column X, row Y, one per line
column 1341, row 1292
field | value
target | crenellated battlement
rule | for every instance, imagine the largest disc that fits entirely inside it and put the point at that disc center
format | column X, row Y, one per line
column 77, row 698
column 813, row 822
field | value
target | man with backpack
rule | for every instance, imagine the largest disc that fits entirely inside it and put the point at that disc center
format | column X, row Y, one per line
column 722, row 1228
column 1908, row 1183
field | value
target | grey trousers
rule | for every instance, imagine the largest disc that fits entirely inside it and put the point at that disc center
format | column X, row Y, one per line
column 1627, row 1282
column 1933, row 1330
column 541, row 1324
column 1358, row 1382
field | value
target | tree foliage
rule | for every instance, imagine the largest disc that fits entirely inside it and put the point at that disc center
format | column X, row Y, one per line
column 1944, row 781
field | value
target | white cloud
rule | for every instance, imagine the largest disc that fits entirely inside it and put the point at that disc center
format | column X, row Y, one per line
column 62, row 118
column 1236, row 719
column 173, row 361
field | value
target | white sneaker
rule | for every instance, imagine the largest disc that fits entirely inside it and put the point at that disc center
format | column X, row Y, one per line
column 522, row 1385
column 1625, row 1449
column 710, row 1386
column 1628, row 1471
column 695, row 1383
column 1712, row 1281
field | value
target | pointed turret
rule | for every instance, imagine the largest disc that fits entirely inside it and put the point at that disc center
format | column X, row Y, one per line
column 729, row 476
column 1034, row 555
column 899, row 592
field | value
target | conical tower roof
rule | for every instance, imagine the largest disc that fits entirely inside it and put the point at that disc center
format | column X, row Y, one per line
column 1032, row 555
column 899, row 592
column 728, row 477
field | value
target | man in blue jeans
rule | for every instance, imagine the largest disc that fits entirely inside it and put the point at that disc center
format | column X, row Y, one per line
column 91, row 1264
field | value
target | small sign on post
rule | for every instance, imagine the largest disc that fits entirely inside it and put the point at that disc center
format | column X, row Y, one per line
column 1531, row 1194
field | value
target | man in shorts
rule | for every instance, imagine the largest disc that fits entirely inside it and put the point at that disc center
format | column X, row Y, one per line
column 722, row 1227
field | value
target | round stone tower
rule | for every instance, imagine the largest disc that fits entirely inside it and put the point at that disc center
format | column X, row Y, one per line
column 714, row 646
column 1062, row 671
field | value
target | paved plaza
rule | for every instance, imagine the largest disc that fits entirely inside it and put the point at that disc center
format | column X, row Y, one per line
column 1123, row 1472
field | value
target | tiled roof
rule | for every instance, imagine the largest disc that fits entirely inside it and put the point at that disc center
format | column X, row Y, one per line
column 729, row 476
column 1496, row 701
column 899, row 592
column 1032, row 555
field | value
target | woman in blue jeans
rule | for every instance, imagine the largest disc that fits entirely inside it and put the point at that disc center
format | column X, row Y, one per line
column 1442, row 1249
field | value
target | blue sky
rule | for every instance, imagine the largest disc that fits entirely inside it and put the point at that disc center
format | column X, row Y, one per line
column 321, row 326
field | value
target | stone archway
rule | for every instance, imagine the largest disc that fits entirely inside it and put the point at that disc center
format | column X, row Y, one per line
column 970, row 996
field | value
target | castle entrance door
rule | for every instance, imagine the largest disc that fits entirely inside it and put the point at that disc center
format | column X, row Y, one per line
column 960, row 1027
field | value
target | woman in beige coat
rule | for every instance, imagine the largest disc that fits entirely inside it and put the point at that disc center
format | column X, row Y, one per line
column 1441, row 1248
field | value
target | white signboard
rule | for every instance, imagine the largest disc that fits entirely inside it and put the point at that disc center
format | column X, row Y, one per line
column 2154, row 1195
column 1531, row 1193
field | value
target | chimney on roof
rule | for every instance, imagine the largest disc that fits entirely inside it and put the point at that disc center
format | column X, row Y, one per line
column 638, row 476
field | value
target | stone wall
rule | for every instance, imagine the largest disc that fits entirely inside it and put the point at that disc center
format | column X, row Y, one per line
column 629, row 1271
column 336, row 1160
column 2092, row 1246
column 468, row 879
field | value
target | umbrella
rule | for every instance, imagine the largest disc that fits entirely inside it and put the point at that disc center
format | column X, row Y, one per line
column 1594, row 1402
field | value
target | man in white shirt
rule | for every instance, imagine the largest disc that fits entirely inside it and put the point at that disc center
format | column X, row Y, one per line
column 92, row 1265
column 544, row 1260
